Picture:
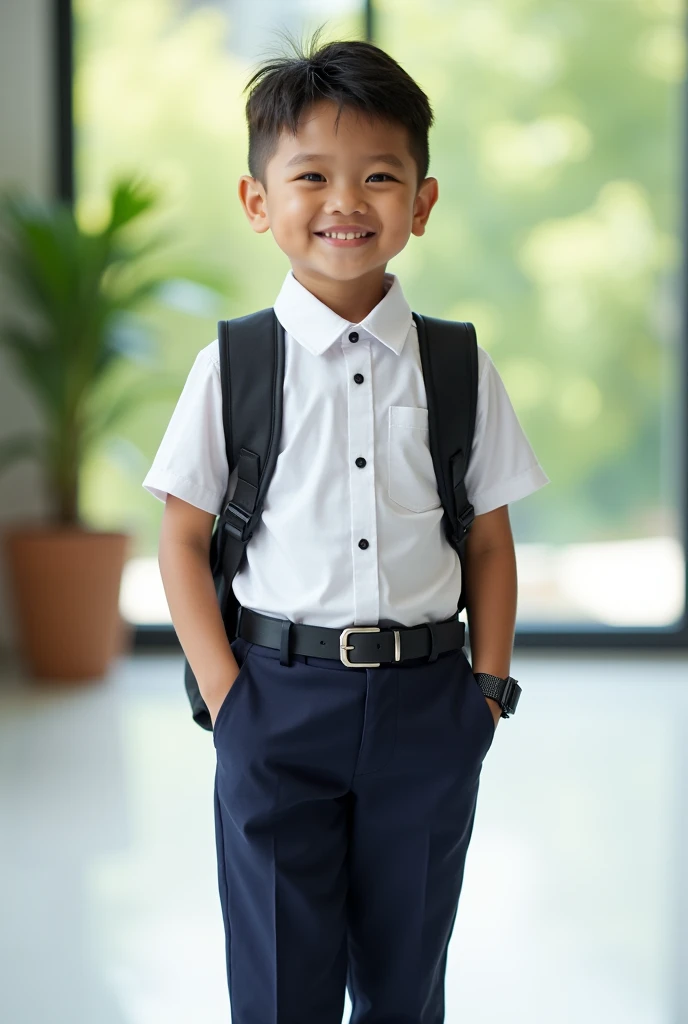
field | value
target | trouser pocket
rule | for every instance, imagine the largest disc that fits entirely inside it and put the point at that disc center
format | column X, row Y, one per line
column 482, row 709
column 240, row 650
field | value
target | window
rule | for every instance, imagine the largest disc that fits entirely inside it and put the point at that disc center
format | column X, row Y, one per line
column 557, row 146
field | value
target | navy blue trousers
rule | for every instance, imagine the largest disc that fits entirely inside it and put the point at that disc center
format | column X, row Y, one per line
column 344, row 805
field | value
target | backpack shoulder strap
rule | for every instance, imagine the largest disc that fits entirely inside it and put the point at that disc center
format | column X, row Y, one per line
column 252, row 372
column 252, row 378
column 449, row 359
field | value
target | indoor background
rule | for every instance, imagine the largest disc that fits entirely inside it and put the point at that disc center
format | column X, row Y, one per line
column 559, row 147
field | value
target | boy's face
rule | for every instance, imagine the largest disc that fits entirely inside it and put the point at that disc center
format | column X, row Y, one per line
column 343, row 185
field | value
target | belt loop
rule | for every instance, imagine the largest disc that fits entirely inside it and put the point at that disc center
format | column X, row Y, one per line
column 238, row 627
column 284, row 642
column 433, row 642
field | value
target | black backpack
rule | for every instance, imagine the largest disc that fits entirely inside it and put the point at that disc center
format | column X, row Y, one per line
column 252, row 373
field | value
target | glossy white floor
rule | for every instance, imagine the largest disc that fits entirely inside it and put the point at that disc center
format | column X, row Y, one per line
column 575, row 902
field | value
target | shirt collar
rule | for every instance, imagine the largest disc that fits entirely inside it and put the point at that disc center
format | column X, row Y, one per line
column 315, row 326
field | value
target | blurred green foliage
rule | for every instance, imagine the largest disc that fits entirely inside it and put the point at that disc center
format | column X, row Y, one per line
column 80, row 329
column 556, row 147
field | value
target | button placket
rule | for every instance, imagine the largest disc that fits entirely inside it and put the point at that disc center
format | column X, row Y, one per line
column 358, row 360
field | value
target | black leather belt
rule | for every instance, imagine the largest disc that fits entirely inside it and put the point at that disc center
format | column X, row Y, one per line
column 371, row 646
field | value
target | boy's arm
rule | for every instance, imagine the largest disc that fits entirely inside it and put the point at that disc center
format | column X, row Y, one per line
column 183, row 557
column 491, row 594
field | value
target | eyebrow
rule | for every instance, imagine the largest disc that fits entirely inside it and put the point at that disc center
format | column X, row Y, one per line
column 379, row 158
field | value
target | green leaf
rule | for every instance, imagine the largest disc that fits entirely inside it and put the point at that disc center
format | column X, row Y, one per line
column 130, row 198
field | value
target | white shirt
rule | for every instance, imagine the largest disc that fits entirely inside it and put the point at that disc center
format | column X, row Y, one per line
column 304, row 562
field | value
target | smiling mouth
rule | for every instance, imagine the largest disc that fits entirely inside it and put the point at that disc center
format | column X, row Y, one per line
column 346, row 243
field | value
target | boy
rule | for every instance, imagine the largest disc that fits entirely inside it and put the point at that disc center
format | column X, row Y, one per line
column 344, row 796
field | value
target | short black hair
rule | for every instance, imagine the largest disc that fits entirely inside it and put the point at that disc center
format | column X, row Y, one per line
column 352, row 73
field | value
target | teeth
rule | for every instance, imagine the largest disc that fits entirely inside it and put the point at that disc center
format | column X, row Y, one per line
column 349, row 234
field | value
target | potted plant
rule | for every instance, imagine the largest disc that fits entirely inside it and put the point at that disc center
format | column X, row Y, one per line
column 79, row 294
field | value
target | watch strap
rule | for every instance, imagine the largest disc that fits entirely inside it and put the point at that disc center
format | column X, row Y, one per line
column 505, row 691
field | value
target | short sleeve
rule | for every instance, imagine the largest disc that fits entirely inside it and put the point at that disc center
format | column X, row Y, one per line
column 191, row 461
column 503, row 467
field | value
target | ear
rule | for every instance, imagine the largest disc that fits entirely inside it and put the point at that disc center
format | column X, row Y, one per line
column 254, row 201
column 428, row 194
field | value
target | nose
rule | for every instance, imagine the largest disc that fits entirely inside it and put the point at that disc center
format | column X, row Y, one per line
column 346, row 199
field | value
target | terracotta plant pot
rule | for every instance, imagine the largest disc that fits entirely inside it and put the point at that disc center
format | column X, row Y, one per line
column 64, row 583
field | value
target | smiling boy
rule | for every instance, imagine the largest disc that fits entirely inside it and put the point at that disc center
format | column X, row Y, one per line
column 345, row 796
column 342, row 171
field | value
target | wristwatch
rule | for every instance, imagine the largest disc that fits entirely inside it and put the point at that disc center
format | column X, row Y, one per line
column 505, row 691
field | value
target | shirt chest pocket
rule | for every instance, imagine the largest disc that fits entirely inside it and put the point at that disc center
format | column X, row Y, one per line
column 411, row 480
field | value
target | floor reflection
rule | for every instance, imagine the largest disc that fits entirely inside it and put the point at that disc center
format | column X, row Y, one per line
column 573, row 908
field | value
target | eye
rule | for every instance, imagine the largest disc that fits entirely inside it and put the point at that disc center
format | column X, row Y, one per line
column 311, row 174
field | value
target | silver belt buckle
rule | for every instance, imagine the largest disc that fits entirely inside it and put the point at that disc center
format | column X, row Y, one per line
column 343, row 647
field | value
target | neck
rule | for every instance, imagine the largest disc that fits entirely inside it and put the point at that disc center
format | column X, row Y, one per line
column 352, row 300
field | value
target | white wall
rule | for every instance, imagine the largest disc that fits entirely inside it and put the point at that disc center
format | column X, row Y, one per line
column 27, row 158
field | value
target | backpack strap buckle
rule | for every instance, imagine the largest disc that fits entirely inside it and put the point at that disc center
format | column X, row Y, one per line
column 238, row 530
column 465, row 518
column 240, row 509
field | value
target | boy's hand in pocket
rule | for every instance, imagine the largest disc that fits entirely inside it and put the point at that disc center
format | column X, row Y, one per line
column 495, row 709
column 215, row 700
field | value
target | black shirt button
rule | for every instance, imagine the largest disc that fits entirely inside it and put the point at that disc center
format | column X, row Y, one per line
column 359, row 378
column 363, row 543
column 360, row 462
column 353, row 336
